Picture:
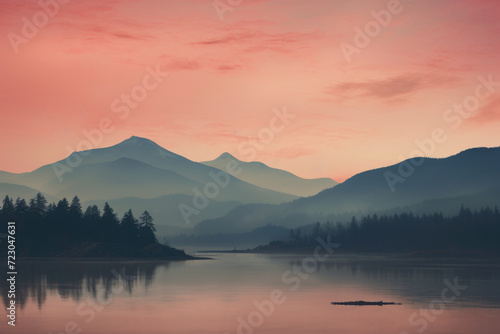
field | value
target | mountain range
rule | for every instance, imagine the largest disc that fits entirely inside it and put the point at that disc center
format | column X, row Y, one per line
column 423, row 185
column 261, row 175
column 210, row 197
column 137, row 173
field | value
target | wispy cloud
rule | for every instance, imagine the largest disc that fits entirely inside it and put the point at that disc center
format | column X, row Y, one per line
column 256, row 41
column 393, row 88
column 266, row 53
column 127, row 35
column 230, row 38
column 488, row 113
column 228, row 68
column 183, row 64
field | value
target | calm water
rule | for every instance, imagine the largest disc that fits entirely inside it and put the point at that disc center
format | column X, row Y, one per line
column 247, row 293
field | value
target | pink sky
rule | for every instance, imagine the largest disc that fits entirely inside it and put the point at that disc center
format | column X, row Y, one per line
column 227, row 76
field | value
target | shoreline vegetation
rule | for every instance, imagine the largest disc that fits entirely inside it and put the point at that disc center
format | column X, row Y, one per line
column 470, row 234
column 65, row 231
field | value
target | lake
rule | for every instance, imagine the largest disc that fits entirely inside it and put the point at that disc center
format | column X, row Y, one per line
column 257, row 293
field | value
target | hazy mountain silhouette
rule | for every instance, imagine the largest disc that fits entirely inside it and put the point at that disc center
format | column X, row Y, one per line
column 165, row 209
column 264, row 176
column 135, row 167
column 139, row 171
column 449, row 205
column 14, row 191
column 120, row 178
column 449, row 180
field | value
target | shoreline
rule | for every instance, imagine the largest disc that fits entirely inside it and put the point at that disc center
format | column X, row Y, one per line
column 423, row 255
column 109, row 259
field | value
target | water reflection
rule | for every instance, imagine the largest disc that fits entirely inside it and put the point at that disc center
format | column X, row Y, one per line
column 215, row 296
column 415, row 280
column 412, row 281
column 72, row 280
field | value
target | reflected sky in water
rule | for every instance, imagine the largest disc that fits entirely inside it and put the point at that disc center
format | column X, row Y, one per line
column 233, row 293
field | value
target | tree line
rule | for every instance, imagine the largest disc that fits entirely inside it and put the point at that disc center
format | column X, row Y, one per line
column 43, row 228
column 468, row 231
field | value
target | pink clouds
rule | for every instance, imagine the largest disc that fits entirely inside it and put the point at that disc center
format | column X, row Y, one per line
column 392, row 87
column 489, row 112
column 385, row 88
column 227, row 76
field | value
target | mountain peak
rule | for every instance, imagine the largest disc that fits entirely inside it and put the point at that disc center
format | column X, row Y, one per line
column 140, row 143
column 226, row 155
column 138, row 140
column 144, row 146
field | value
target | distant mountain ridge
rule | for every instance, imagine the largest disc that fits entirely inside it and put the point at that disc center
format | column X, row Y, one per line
column 451, row 180
column 137, row 168
column 138, row 172
column 267, row 177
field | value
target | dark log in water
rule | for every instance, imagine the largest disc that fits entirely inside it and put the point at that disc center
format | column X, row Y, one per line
column 363, row 303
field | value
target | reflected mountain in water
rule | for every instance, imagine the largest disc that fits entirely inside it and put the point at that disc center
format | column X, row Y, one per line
column 37, row 279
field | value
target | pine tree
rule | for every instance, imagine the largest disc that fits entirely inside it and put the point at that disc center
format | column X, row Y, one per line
column 91, row 220
column 75, row 218
column 110, row 225
column 21, row 208
column 130, row 228
column 7, row 211
column 38, row 205
column 75, row 208
column 59, row 224
column 147, row 229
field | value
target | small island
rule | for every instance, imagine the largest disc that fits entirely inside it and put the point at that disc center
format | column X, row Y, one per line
column 65, row 231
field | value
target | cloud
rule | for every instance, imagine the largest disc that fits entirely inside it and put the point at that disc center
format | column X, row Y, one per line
column 382, row 89
column 393, row 88
column 258, row 41
column 228, row 68
column 183, row 64
column 231, row 38
column 125, row 35
column 488, row 113
column 107, row 33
